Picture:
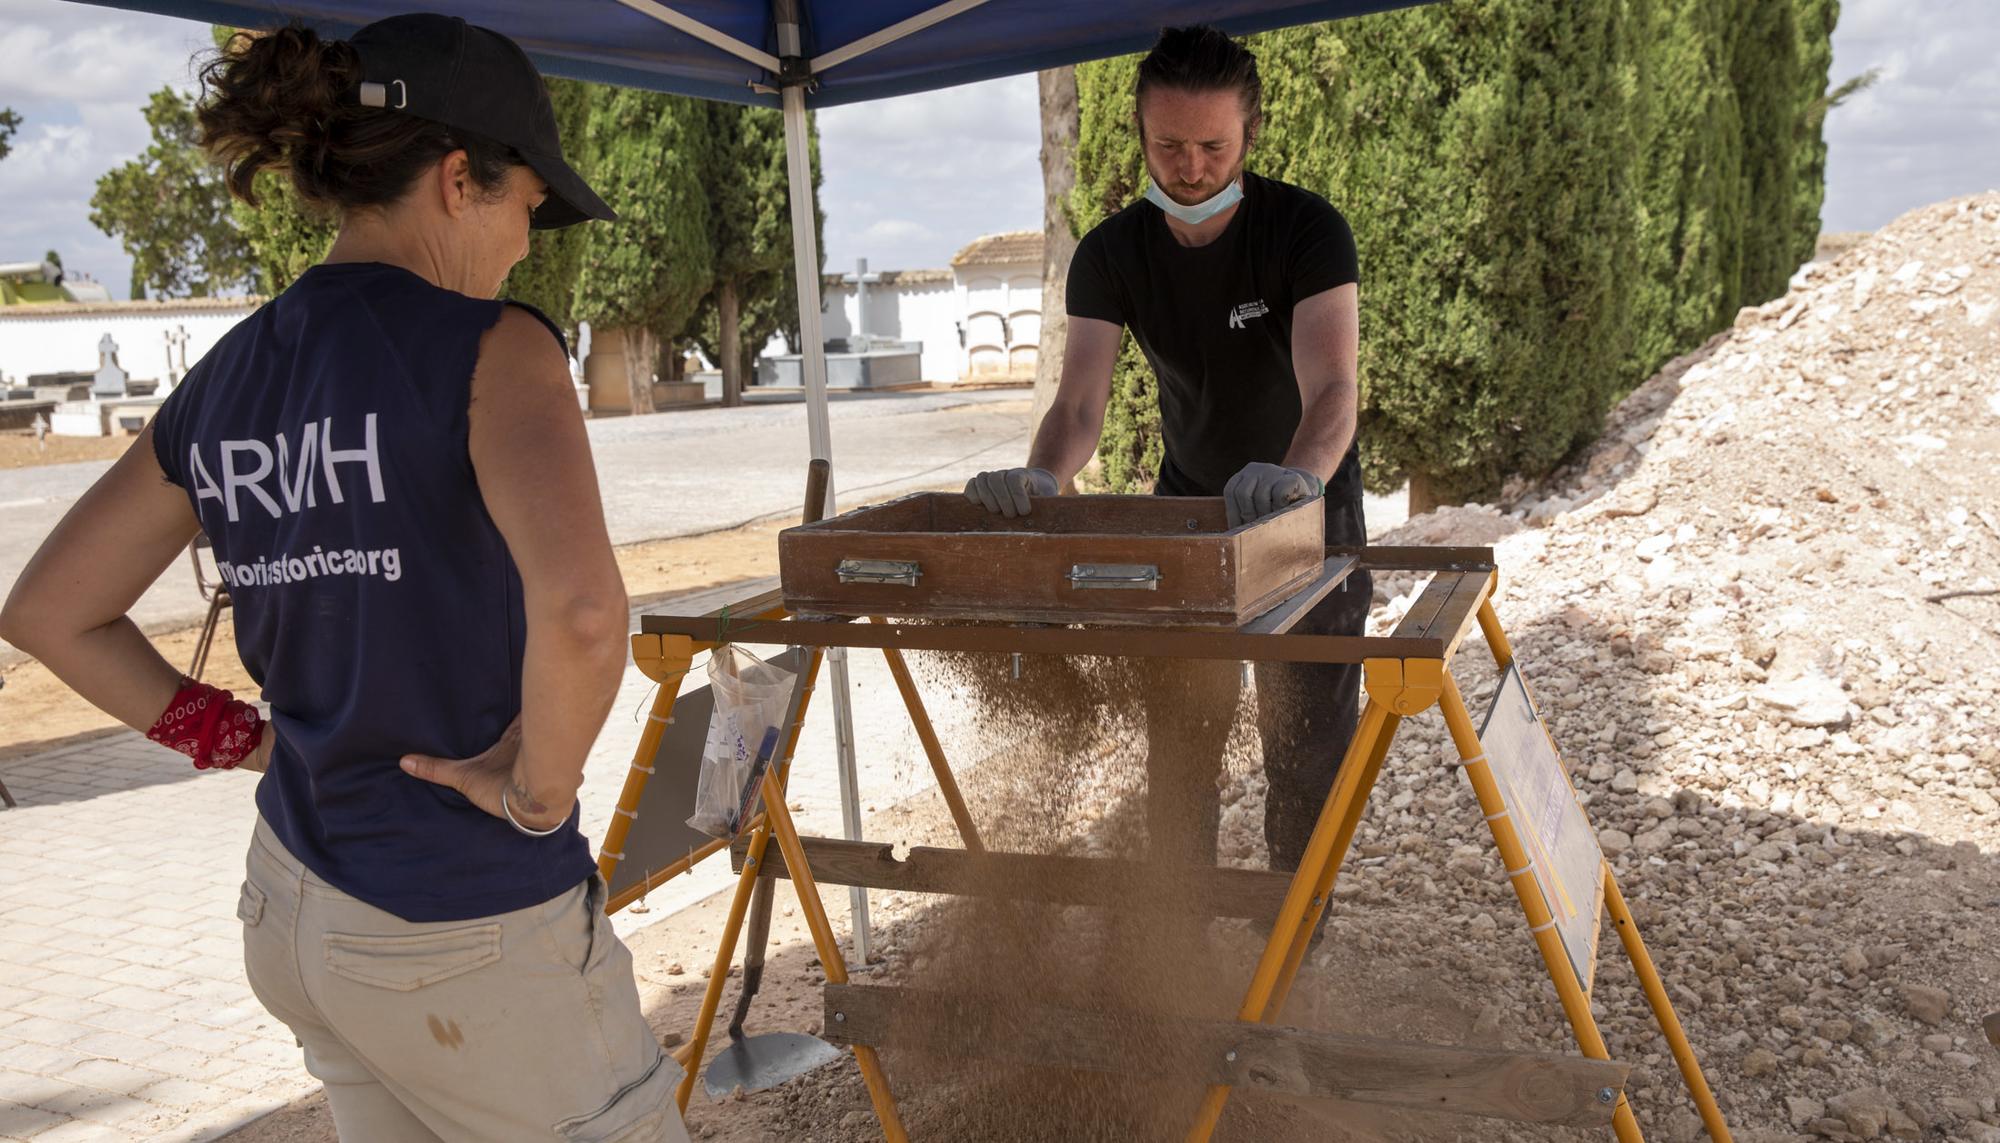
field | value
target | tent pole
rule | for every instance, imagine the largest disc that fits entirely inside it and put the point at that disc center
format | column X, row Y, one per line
column 812, row 363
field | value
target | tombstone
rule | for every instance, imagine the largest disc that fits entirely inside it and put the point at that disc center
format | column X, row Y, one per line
column 80, row 419
column 110, row 379
column 177, row 359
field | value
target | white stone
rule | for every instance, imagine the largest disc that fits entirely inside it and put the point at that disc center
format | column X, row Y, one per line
column 1810, row 700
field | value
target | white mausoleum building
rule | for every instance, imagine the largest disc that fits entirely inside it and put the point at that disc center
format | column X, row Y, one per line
column 979, row 320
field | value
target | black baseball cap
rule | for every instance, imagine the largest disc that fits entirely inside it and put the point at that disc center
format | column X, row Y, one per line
column 461, row 75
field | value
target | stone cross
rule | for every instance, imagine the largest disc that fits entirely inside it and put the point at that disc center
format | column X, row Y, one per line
column 859, row 279
column 177, row 357
column 110, row 379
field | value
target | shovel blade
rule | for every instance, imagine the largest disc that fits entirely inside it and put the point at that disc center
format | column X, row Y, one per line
column 759, row 1063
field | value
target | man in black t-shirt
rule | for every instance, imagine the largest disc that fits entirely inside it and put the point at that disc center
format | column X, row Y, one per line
column 1241, row 292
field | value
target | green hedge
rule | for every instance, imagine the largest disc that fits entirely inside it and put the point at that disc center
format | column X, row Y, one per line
column 1550, row 200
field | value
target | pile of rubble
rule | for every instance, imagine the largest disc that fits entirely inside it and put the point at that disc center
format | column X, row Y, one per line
column 1761, row 616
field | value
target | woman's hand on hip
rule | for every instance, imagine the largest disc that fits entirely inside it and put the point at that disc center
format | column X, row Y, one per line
column 486, row 776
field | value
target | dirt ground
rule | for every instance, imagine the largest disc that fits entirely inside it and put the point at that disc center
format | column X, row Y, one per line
column 19, row 449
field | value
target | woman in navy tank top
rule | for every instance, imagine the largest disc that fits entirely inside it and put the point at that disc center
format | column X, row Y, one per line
column 393, row 472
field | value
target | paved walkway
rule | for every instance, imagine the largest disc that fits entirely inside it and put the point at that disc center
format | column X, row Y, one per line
column 124, row 1014
column 673, row 474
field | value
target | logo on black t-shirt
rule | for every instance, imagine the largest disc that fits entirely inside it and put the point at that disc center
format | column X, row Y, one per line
column 1246, row 311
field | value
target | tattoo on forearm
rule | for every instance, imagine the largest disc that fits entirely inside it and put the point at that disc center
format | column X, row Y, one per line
column 519, row 797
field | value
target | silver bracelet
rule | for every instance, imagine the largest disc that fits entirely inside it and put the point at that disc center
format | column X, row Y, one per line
column 512, row 821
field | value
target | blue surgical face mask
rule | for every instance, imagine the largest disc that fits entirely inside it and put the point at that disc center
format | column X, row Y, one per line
column 1200, row 212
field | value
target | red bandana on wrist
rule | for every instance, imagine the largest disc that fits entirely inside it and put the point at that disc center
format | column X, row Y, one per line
column 209, row 725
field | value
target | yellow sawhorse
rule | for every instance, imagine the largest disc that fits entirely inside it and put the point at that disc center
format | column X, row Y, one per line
column 1398, row 689
column 666, row 660
column 1405, row 674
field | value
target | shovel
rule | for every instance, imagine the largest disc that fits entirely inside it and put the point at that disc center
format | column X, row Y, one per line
column 762, row 1062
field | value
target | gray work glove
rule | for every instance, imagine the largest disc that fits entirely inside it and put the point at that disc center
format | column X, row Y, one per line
column 1261, row 489
column 1006, row 490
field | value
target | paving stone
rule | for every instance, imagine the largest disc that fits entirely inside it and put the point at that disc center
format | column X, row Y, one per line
column 187, row 1094
column 156, row 957
column 70, row 984
column 141, row 999
column 40, row 1059
column 266, row 1053
column 112, row 1075
column 22, row 954
column 36, row 916
column 117, row 1045
column 84, row 1131
column 133, row 1023
column 42, row 1030
column 65, row 1009
column 20, row 1121
column 23, row 1087
column 139, row 976
column 155, row 936
column 96, row 926
column 201, row 1038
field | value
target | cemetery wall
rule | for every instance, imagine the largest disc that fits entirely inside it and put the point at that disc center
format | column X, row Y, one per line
column 62, row 337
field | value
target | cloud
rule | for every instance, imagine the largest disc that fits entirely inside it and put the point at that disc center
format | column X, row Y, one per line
column 909, row 181
column 78, row 75
column 1925, row 131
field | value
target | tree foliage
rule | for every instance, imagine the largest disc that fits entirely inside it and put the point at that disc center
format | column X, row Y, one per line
column 10, row 122
column 546, row 278
column 1550, row 199
column 286, row 235
column 643, row 276
column 750, row 236
column 169, row 209
column 643, row 152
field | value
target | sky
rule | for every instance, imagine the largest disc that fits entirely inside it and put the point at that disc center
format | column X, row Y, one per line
column 910, row 181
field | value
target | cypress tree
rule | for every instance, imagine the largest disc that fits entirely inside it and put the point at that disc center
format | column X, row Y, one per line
column 1109, row 174
column 1816, row 19
column 1691, row 227
column 285, row 235
column 546, row 278
column 643, row 275
column 1766, row 73
column 750, row 236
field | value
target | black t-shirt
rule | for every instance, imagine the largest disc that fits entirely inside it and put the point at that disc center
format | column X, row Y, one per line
column 1215, row 322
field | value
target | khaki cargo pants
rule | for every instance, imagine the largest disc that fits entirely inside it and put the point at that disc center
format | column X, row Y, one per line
column 520, row 1026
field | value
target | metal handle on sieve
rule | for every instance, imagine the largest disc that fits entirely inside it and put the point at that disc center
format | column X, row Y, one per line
column 1131, row 577
column 904, row 572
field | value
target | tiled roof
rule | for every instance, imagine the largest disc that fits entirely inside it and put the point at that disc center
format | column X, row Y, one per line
column 129, row 309
column 893, row 278
column 1013, row 246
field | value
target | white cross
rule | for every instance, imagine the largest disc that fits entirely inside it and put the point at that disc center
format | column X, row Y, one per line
column 859, row 279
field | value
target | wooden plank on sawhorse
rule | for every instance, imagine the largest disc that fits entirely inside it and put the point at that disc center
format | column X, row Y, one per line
column 1529, row 1087
column 1056, row 880
column 1286, row 615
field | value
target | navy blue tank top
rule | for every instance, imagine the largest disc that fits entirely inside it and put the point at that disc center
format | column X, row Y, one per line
column 323, row 443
